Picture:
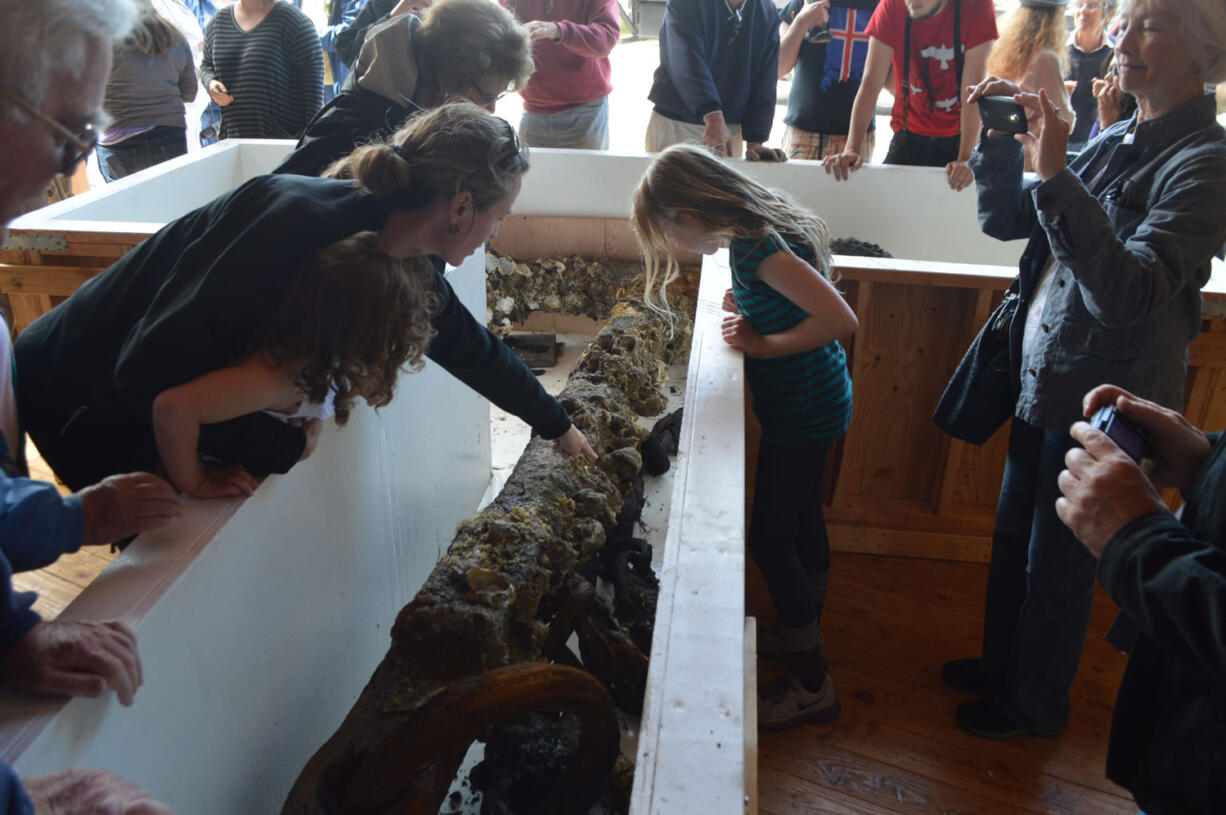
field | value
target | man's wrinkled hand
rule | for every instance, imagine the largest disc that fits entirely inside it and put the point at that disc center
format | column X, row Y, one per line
column 1175, row 451
column 1102, row 489
column 755, row 151
column 123, row 505
column 716, row 134
column 75, row 658
column 86, row 791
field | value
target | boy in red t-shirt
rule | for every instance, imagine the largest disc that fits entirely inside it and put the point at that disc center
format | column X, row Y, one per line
column 932, row 125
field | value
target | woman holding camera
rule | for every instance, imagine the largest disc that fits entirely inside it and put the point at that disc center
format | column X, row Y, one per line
column 1120, row 243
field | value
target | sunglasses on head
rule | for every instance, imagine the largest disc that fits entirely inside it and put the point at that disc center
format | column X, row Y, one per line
column 76, row 145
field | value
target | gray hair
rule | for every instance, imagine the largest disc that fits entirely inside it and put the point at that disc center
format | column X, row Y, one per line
column 1204, row 24
column 44, row 39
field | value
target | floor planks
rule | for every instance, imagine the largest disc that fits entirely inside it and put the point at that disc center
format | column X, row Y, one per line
column 890, row 623
column 60, row 583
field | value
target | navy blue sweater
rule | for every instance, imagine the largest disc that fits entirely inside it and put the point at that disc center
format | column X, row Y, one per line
column 710, row 62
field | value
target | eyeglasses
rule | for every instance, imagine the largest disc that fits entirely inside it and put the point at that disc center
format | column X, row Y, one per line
column 482, row 98
column 76, row 145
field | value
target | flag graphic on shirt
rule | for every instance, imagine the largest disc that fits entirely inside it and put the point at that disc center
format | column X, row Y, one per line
column 846, row 53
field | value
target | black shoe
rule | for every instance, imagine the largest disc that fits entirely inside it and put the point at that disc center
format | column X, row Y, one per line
column 984, row 718
column 966, row 675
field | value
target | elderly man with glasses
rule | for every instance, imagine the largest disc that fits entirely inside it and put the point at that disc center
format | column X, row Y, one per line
column 55, row 56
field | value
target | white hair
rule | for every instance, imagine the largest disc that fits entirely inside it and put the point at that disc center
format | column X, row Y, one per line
column 1204, row 24
column 44, row 39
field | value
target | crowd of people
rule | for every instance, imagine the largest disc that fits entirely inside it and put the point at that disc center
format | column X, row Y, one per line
column 207, row 357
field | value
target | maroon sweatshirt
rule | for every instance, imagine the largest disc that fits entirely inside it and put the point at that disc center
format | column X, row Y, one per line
column 574, row 70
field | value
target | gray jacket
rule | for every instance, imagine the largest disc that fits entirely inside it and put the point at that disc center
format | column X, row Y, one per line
column 147, row 91
column 1130, row 257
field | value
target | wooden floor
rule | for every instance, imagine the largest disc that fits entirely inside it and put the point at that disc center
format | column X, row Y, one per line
column 58, row 584
column 889, row 624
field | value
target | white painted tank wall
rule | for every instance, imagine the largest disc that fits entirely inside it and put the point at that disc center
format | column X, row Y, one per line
column 182, row 184
column 255, row 645
column 909, row 211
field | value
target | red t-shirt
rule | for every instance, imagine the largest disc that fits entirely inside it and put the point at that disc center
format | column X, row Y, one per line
column 933, row 103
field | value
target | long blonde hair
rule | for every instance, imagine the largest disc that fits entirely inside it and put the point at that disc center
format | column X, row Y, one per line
column 1025, row 32
column 688, row 184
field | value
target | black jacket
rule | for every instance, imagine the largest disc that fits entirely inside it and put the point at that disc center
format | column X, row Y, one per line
column 193, row 298
column 1168, row 734
column 354, row 116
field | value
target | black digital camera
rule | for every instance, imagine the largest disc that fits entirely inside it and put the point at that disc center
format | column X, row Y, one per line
column 1129, row 437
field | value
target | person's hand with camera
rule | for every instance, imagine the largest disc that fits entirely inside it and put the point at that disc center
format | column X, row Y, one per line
column 1175, row 450
column 1103, row 490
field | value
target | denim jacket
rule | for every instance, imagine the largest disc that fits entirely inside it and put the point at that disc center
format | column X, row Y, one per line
column 1130, row 254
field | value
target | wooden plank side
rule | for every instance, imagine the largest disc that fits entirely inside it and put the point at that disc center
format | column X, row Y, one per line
column 43, row 279
column 691, row 743
column 750, row 651
column 896, row 448
column 873, row 540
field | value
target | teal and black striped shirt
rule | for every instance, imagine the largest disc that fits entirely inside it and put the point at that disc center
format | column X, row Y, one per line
column 799, row 397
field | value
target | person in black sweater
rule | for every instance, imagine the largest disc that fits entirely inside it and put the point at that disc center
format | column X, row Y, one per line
column 1168, row 575
column 197, row 296
column 460, row 49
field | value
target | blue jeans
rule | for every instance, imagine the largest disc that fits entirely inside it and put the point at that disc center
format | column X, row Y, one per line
column 585, row 127
column 787, row 532
column 140, row 151
column 1040, row 585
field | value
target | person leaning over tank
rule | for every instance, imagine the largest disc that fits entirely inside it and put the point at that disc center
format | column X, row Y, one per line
column 55, row 56
column 460, row 49
column 198, row 298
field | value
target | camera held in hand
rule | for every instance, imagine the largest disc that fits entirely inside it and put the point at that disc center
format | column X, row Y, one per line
column 1129, row 437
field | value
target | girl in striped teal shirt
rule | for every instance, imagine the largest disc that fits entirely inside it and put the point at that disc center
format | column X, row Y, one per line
column 786, row 317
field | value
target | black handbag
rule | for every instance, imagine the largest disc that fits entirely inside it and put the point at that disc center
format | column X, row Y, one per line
column 982, row 393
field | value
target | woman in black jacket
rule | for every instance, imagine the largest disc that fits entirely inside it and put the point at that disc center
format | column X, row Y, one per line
column 460, row 49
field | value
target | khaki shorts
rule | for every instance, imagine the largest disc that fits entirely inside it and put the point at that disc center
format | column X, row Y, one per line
column 664, row 132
